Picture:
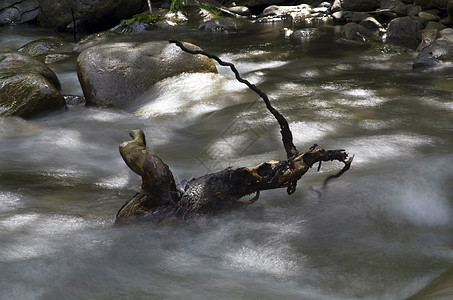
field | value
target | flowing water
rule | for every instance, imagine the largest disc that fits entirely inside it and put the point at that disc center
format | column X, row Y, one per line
column 383, row 230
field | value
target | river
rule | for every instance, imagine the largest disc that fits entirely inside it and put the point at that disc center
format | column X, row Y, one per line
column 383, row 230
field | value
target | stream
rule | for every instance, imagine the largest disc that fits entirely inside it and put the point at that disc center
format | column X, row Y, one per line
column 383, row 230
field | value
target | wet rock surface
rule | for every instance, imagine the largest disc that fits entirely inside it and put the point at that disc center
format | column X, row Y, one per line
column 115, row 74
column 16, row 11
column 28, row 87
column 91, row 16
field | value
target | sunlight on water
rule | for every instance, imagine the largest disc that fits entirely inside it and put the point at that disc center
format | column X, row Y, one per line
column 268, row 259
column 114, row 182
column 240, row 60
column 308, row 132
column 59, row 138
column 360, row 97
column 10, row 201
column 187, row 94
column 384, row 147
column 104, row 115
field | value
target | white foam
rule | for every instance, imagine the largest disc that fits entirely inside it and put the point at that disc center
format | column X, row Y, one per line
column 113, row 182
column 187, row 94
column 10, row 201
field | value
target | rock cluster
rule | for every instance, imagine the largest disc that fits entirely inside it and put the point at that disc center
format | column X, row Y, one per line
column 423, row 25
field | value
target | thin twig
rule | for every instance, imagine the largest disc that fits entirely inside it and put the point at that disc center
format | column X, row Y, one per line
column 287, row 136
column 347, row 165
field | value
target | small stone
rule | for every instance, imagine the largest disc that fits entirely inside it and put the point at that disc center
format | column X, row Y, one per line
column 428, row 16
column 371, row 23
column 240, row 10
column 446, row 34
column 435, row 25
column 428, row 36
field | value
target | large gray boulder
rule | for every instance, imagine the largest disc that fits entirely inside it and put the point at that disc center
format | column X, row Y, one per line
column 116, row 74
column 18, row 11
column 435, row 53
column 28, row 87
column 405, row 28
column 90, row 15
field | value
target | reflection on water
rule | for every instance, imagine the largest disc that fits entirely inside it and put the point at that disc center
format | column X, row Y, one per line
column 382, row 231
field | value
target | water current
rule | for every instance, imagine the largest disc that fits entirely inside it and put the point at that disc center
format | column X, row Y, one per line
column 383, row 230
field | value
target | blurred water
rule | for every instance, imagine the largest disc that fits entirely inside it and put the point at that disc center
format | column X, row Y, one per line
column 382, row 231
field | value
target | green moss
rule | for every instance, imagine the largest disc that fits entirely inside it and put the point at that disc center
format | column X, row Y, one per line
column 142, row 18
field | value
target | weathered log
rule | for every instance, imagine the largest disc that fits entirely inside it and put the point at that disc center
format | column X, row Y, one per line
column 160, row 199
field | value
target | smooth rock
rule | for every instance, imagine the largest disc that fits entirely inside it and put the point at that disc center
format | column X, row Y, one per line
column 446, row 34
column 90, row 16
column 240, row 10
column 116, row 74
column 435, row 53
column 413, row 10
column 435, row 25
column 405, row 28
column 371, row 23
column 28, row 87
column 18, row 11
column 428, row 16
column 428, row 36
column 356, row 32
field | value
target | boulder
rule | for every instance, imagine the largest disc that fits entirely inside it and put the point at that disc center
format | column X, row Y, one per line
column 446, row 34
column 18, row 11
column 356, row 32
column 240, row 10
column 428, row 16
column 435, row 25
column 91, row 16
column 116, row 74
column 405, row 28
column 371, row 23
column 435, row 53
column 28, row 87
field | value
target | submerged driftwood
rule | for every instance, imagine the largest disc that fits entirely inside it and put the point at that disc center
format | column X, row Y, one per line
column 160, row 199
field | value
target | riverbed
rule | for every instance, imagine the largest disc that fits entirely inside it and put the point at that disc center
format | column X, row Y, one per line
column 381, row 231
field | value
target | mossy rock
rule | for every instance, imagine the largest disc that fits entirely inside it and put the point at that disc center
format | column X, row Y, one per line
column 27, row 95
column 27, row 87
